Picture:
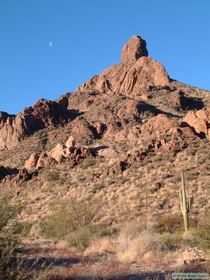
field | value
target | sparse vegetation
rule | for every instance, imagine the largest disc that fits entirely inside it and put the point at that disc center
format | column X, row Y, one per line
column 170, row 241
column 73, row 222
column 8, row 240
column 202, row 232
column 88, row 162
column 133, row 243
column 169, row 223
column 51, row 175
column 172, row 237
column 105, row 189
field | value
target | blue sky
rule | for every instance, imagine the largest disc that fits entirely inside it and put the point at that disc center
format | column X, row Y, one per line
column 88, row 36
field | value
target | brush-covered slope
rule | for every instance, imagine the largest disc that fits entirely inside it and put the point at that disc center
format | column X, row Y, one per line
column 132, row 131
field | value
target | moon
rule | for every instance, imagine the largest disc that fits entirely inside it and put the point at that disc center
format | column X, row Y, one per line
column 50, row 44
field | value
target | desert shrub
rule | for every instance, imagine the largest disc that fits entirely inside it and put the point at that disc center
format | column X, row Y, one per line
column 8, row 240
column 202, row 232
column 159, row 157
column 170, row 241
column 169, row 223
column 173, row 223
column 133, row 242
column 130, row 249
column 88, row 162
column 42, row 140
column 191, row 151
column 73, row 222
column 22, row 229
column 82, row 237
column 51, row 176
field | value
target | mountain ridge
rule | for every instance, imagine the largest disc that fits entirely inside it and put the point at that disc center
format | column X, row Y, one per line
column 137, row 76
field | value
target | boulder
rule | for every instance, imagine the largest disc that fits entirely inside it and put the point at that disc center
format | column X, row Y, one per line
column 57, row 153
column 31, row 162
column 44, row 161
column 82, row 130
column 70, row 142
column 158, row 125
column 70, row 152
column 78, row 153
column 106, row 152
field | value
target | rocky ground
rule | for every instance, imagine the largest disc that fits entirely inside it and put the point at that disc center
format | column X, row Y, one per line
column 118, row 143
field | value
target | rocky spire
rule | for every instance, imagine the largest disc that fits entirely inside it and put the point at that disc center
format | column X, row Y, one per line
column 136, row 73
column 134, row 49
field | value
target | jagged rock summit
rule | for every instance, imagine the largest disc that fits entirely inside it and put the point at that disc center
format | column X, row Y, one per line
column 133, row 75
column 134, row 49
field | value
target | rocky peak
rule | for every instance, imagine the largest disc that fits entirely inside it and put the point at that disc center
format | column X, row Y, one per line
column 135, row 74
column 134, row 49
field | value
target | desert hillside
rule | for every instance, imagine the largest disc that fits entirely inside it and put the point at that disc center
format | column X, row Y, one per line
column 99, row 170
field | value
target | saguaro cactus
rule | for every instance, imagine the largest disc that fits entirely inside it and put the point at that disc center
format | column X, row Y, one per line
column 184, row 203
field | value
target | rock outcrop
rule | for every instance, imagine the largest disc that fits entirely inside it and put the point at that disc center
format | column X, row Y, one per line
column 135, row 72
column 57, row 155
column 199, row 121
column 44, row 113
column 44, row 161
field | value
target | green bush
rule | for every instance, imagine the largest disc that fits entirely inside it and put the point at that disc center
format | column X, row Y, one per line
column 73, row 222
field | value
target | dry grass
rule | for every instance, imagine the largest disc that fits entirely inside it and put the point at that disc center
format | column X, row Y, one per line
column 136, row 248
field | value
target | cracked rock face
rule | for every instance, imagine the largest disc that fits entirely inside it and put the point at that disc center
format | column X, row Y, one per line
column 133, row 75
column 44, row 113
